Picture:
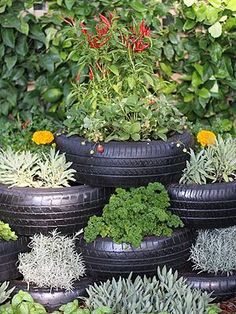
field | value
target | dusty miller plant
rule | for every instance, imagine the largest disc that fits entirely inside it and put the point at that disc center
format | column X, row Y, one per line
column 26, row 169
column 214, row 251
column 164, row 293
column 53, row 261
column 216, row 163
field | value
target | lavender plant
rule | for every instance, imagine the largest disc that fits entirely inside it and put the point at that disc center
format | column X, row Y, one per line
column 214, row 251
column 53, row 261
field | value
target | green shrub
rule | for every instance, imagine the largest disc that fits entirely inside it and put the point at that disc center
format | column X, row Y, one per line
column 22, row 303
column 214, row 251
column 74, row 308
column 164, row 294
column 133, row 214
column 216, row 163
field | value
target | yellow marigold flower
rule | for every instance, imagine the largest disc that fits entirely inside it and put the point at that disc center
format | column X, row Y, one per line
column 42, row 137
column 205, row 138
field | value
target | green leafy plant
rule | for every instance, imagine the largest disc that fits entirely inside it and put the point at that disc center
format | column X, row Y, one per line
column 4, row 293
column 75, row 308
column 216, row 163
column 52, row 262
column 164, row 293
column 26, row 169
column 197, row 60
column 6, row 233
column 115, row 97
column 22, row 303
column 214, row 251
column 133, row 214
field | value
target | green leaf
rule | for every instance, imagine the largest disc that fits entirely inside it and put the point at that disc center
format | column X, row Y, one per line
column 23, row 308
column 215, row 3
column 113, row 68
column 189, row 24
column 8, row 37
column 135, row 127
column 69, row 4
column 169, row 51
column 215, row 30
column 24, row 27
column 22, row 46
column 196, row 79
column 166, row 68
column 231, row 5
column 189, row 3
column 138, row 6
column 135, row 136
column 10, row 61
column 204, row 93
column 188, row 97
column 131, row 81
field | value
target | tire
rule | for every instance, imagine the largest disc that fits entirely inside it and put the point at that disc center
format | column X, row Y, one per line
column 105, row 259
column 204, row 206
column 31, row 210
column 9, row 251
column 54, row 299
column 221, row 286
column 127, row 164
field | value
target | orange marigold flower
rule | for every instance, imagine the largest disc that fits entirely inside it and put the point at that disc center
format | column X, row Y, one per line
column 205, row 138
column 42, row 137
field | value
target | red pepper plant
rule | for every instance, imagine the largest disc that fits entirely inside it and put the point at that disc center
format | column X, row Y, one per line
column 115, row 92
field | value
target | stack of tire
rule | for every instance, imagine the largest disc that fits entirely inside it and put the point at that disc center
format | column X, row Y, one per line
column 130, row 164
column 206, row 206
column 40, row 210
column 133, row 164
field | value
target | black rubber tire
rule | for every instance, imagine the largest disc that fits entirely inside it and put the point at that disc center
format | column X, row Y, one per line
column 105, row 259
column 126, row 164
column 54, row 299
column 31, row 210
column 204, row 206
column 221, row 286
column 9, row 251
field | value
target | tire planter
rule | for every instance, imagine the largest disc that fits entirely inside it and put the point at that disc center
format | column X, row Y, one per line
column 204, row 206
column 31, row 210
column 9, row 251
column 105, row 259
column 52, row 300
column 221, row 286
column 126, row 164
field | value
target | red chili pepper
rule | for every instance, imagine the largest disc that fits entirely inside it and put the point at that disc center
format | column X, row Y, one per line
column 91, row 75
column 95, row 42
column 105, row 20
column 144, row 31
column 83, row 28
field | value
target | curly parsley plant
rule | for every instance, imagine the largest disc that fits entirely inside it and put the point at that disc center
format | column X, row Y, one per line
column 133, row 214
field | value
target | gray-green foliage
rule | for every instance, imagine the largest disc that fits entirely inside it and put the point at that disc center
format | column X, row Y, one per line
column 165, row 293
column 52, row 262
column 214, row 251
column 4, row 293
column 216, row 163
column 26, row 169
